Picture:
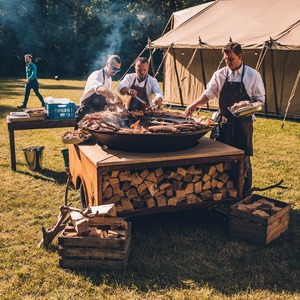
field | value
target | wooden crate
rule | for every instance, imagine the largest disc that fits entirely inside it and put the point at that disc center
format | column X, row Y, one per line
column 84, row 252
column 257, row 229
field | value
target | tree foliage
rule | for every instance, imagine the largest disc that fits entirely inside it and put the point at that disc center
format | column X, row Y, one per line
column 72, row 38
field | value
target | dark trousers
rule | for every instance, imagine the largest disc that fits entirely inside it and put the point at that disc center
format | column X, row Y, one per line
column 32, row 84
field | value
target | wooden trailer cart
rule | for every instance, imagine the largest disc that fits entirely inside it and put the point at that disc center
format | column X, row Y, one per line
column 208, row 174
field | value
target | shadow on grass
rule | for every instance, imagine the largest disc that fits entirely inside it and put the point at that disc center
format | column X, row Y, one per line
column 183, row 249
column 60, row 87
column 48, row 175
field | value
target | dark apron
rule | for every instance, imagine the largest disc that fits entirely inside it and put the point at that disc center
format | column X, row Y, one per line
column 141, row 93
column 92, row 104
column 236, row 132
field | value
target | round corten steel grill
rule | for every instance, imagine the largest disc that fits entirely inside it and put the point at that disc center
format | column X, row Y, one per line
column 123, row 139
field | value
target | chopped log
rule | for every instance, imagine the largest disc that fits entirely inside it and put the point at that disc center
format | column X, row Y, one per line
column 164, row 186
column 188, row 177
column 159, row 172
column 172, row 201
column 196, row 178
column 161, row 201
column 220, row 184
column 105, row 185
column 180, row 194
column 79, row 222
column 119, row 207
column 223, row 177
column 170, row 191
column 206, row 178
column 192, row 170
column 159, row 192
column 232, row 193
column 223, row 191
column 144, row 173
column 152, row 177
column 209, row 169
column 118, row 191
column 125, row 176
column 136, row 179
column 214, row 183
column 108, row 192
column 153, row 189
column 229, row 184
column 113, row 180
column 189, row 189
column 206, row 195
column 171, row 175
column 192, row 199
column 206, row 185
column 217, row 196
column 181, row 171
column 148, row 183
column 126, row 204
column 103, row 221
column 141, row 188
column 113, row 199
column 198, row 187
column 131, row 193
column 150, row 202
column 220, row 167
column 177, row 185
column 115, row 173
column 126, row 186
column 160, row 179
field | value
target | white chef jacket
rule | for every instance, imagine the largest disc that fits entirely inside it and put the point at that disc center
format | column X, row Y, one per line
column 94, row 81
column 252, row 81
column 153, row 90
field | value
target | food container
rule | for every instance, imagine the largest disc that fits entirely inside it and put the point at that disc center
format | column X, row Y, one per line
column 246, row 110
column 60, row 111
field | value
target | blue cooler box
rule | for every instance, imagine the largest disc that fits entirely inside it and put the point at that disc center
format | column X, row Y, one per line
column 60, row 111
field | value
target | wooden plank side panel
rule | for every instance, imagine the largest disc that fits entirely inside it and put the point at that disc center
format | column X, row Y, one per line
column 91, row 264
column 92, row 253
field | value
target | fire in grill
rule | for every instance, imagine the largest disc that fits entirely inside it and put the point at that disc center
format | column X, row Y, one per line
column 146, row 131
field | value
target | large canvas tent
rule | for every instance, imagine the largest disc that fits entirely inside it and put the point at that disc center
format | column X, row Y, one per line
column 269, row 32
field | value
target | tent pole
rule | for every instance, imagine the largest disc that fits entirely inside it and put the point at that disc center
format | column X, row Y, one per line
column 264, row 80
column 291, row 97
column 274, row 82
column 203, row 72
column 163, row 59
column 151, row 57
column 177, row 77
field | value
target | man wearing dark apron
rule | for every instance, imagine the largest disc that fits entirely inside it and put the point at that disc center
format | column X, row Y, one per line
column 97, row 95
column 232, row 84
column 140, row 85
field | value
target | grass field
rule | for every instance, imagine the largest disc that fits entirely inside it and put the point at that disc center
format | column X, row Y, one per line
column 183, row 255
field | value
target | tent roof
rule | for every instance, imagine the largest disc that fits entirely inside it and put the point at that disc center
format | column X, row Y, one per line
column 182, row 15
column 252, row 23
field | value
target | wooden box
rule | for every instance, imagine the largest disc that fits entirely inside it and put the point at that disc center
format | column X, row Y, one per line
column 89, row 252
column 256, row 228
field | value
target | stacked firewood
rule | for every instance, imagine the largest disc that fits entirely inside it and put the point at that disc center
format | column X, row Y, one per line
column 134, row 189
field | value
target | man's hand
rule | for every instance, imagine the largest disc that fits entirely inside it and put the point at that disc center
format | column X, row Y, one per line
column 132, row 92
column 190, row 109
column 118, row 101
column 158, row 102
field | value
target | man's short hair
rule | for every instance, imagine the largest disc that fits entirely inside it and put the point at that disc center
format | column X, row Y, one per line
column 28, row 55
column 113, row 58
column 232, row 46
column 141, row 59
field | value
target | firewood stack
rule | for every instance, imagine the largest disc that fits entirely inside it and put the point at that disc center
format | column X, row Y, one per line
column 147, row 188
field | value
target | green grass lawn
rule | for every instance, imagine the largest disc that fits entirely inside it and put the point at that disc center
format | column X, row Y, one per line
column 183, row 255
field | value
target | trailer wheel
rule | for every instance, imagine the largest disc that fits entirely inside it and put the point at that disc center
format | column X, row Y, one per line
column 83, row 196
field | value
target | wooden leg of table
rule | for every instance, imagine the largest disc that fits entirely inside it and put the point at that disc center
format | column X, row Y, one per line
column 12, row 149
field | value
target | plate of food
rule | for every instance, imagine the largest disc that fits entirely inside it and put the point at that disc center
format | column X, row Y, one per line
column 76, row 136
column 245, row 108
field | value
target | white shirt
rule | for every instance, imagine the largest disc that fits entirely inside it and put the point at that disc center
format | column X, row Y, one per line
column 94, row 81
column 252, row 81
column 153, row 90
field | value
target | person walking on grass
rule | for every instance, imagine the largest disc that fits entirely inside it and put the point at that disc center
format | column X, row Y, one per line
column 31, row 81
